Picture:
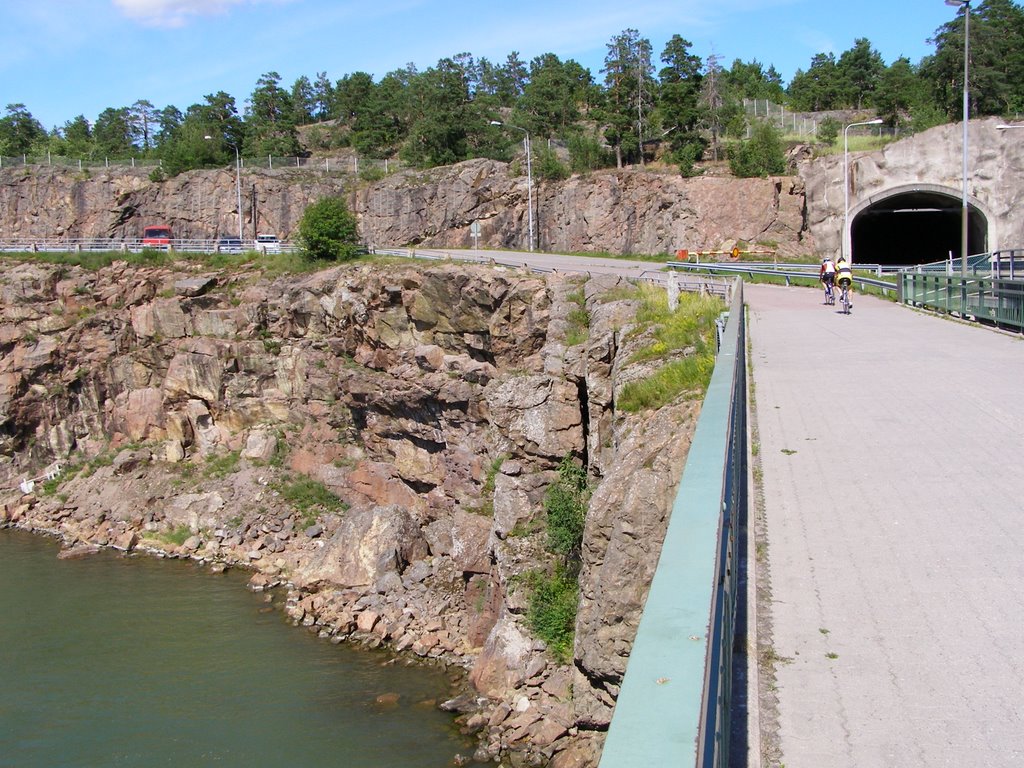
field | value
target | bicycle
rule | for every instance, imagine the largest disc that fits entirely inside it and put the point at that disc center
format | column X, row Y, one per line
column 844, row 297
column 830, row 296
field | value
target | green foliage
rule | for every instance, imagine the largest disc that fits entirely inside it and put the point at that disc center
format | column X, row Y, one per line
column 552, row 609
column 176, row 536
column 691, row 374
column 587, row 153
column 687, row 156
column 487, row 490
column 565, row 503
column 547, row 166
column 828, row 130
column 578, row 320
column 762, row 155
column 307, row 495
column 328, row 231
column 221, row 466
column 690, row 329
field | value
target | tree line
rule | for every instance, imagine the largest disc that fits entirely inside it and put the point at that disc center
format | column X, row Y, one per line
column 464, row 107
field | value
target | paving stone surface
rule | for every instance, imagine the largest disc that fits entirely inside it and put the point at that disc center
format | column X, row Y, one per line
column 891, row 444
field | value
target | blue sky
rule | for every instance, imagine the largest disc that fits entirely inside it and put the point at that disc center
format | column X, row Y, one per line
column 62, row 58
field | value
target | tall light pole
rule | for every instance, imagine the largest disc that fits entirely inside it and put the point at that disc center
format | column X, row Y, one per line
column 238, row 185
column 529, row 173
column 966, row 4
column 846, row 249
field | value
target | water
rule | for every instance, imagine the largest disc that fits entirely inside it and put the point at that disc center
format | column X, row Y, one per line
column 114, row 661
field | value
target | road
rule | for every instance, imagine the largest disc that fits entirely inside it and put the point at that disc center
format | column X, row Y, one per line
column 888, row 444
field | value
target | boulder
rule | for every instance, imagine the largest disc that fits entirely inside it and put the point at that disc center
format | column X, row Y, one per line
column 367, row 544
column 502, row 663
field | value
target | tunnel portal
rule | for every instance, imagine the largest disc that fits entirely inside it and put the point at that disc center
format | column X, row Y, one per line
column 915, row 227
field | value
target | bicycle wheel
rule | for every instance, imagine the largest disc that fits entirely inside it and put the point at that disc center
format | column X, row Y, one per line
column 846, row 301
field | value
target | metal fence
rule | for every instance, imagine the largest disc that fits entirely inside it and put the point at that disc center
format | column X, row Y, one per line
column 804, row 124
column 135, row 245
column 788, row 272
column 675, row 701
column 343, row 164
column 999, row 301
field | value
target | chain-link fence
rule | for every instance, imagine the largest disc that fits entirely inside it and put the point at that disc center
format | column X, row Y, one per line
column 804, row 124
column 343, row 164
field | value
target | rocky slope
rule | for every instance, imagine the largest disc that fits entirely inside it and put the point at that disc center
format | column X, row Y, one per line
column 628, row 211
column 202, row 414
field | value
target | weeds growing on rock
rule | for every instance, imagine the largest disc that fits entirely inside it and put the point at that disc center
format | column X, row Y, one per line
column 684, row 339
column 553, row 596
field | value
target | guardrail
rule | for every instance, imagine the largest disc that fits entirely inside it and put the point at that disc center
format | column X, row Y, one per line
column 135, row 245
column 673, row 708
column 787, row 271
column 722, row 287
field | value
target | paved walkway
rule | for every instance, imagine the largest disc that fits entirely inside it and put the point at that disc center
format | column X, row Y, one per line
column 891, row 445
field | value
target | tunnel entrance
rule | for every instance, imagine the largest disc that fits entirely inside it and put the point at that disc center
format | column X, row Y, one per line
column 915, row 227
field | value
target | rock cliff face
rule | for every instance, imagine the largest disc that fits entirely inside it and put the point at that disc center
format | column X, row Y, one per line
column 201, row 413
column 629, row 211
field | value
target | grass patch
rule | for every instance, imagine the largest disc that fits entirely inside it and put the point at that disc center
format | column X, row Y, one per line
column 487, row 490
column 689, row 329
column 690, row 375
column 310, row 497
column 554, row 596
column 578, row 319
column 552, row 611
column 221, row 466
column 176, row 536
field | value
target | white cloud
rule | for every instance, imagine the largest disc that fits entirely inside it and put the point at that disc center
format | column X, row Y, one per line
column 173, row 13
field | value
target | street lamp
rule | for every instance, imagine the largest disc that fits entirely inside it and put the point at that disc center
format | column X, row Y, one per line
column 529, row 173
column 966, row 4
column 845, row 249
column 238, row 185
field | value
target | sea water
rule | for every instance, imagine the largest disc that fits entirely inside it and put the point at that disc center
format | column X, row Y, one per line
column 110, row 660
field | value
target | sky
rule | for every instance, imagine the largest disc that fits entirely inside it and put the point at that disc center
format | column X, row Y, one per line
column 64, row 58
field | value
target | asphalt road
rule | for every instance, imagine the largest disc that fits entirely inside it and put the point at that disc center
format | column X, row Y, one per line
column 890, row 444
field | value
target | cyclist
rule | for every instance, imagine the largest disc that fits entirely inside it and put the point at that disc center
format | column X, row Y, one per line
column 827, row 275
column 844, row 274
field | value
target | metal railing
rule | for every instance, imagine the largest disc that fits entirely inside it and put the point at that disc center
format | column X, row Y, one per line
column 788, row 272
column 674, row 705
column 999, row 301
column 992, row 291
column 135, row 245
column 716, row 287
column 342, row 164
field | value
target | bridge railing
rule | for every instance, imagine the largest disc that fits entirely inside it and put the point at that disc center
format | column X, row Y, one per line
column 996, row 300
column 674, row 705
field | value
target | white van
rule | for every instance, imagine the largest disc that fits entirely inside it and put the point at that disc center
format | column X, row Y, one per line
column 268, row 244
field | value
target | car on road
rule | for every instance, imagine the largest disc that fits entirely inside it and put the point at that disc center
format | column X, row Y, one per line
column 268, row 244
column 229, row 245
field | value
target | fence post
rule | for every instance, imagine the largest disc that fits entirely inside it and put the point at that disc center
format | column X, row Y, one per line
column 270, row 162
column 327, row 164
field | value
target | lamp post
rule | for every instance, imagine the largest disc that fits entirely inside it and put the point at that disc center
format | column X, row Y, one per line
column 238, row 185
column 846, row 249
column 529, row 174
column 966, row 4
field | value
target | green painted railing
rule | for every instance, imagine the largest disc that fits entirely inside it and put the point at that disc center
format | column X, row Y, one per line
column 995, row 300
column 674, row 705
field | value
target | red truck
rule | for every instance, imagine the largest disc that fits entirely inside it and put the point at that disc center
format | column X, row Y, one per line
column 156, row 236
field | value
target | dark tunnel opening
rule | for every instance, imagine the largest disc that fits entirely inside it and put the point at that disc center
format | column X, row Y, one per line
column 915, row 228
